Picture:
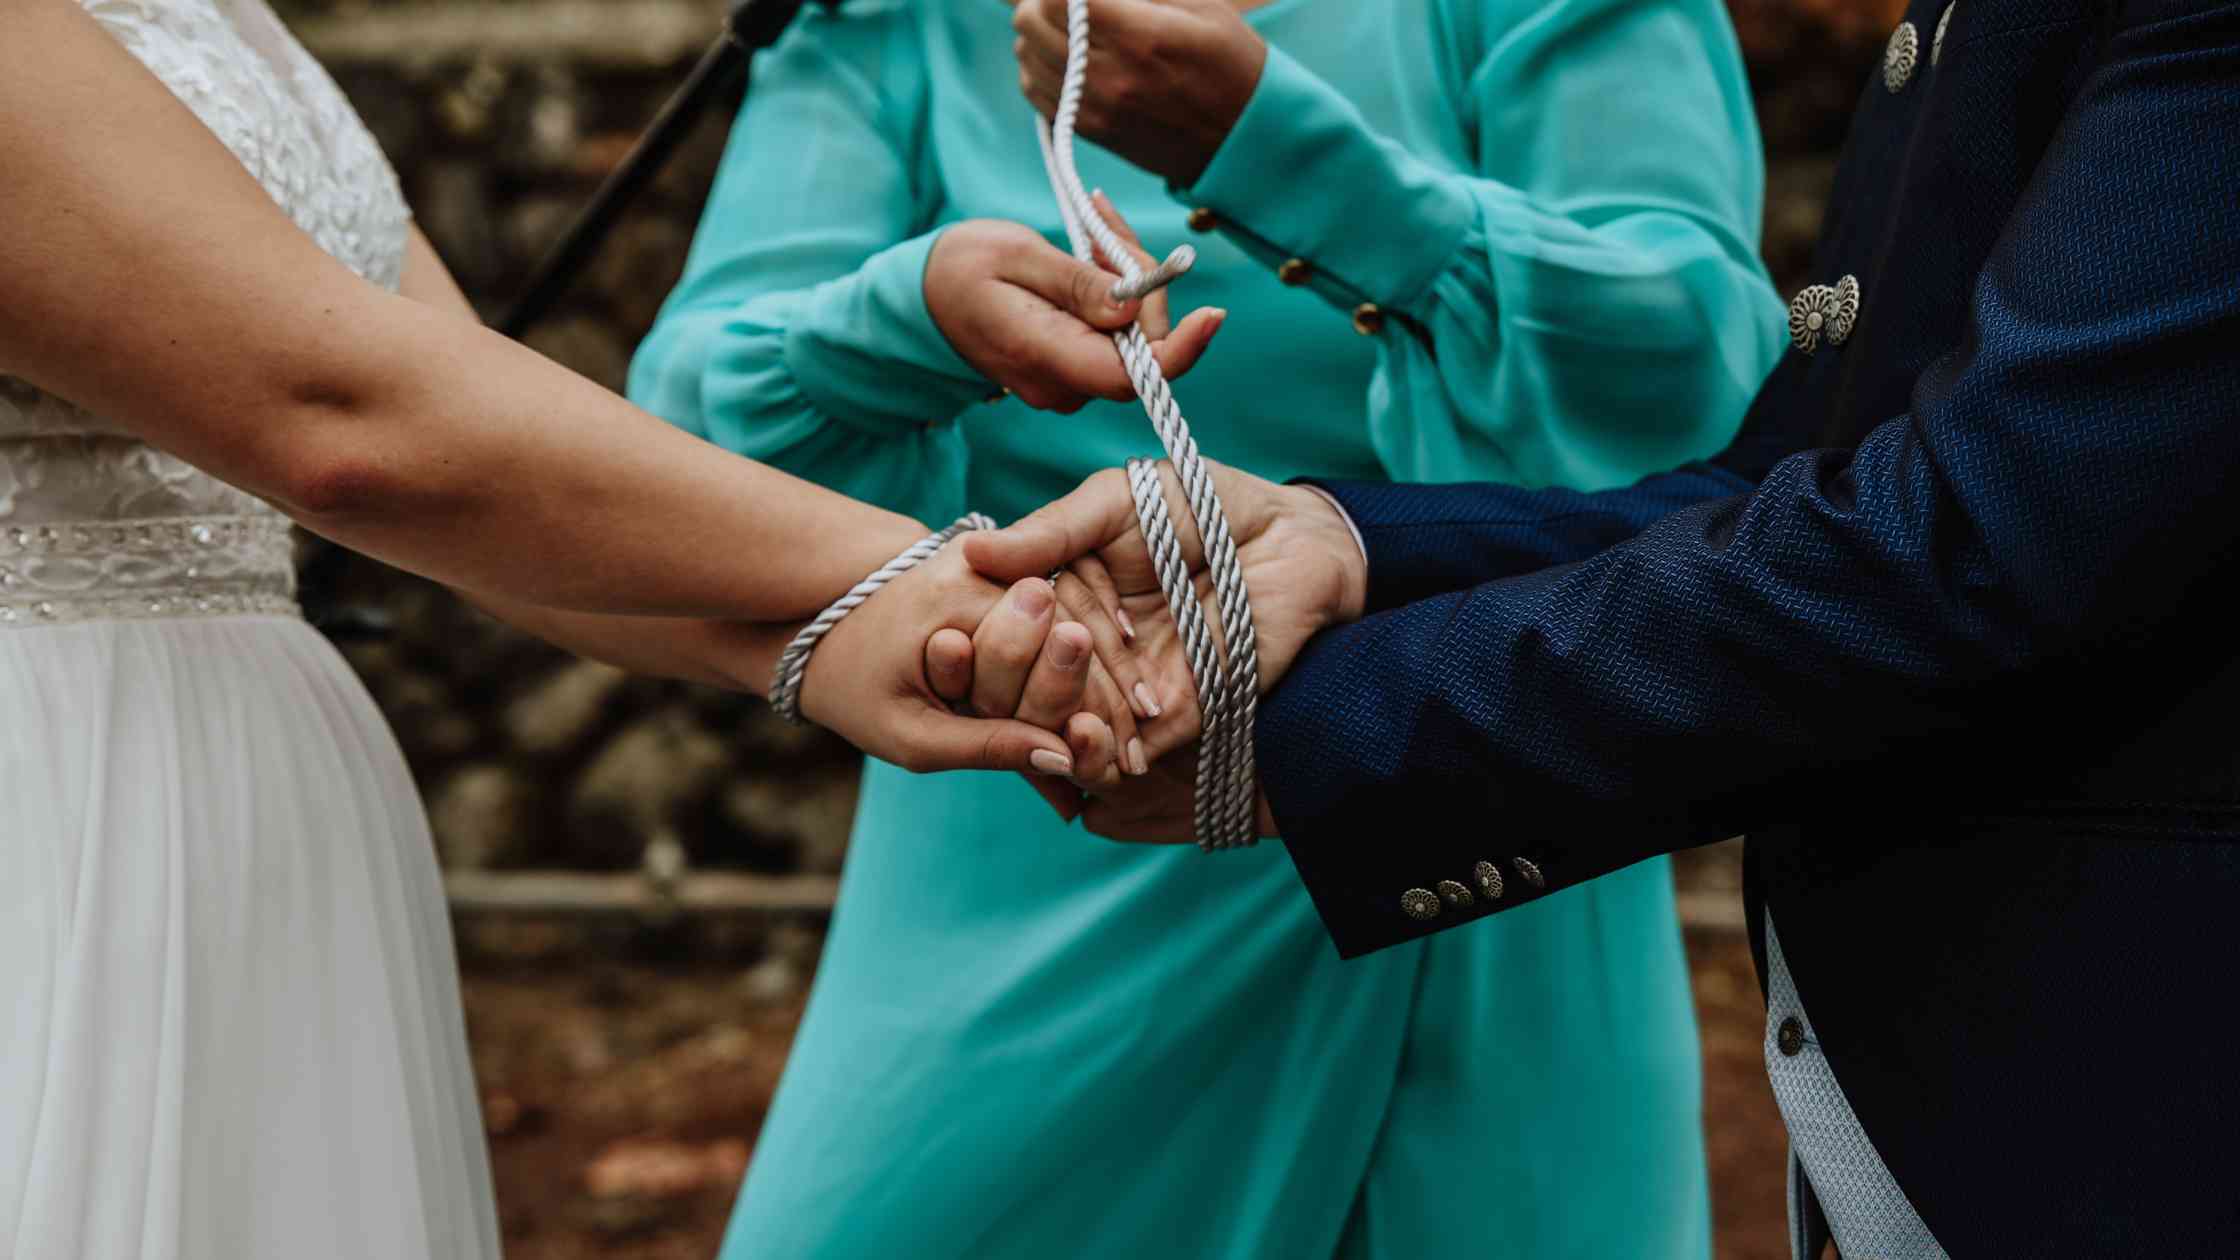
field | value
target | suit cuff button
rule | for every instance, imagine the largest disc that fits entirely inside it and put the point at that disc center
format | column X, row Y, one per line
column 1488, row 877
column 1420, row 903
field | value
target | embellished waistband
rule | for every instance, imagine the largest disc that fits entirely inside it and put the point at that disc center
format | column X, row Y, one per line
column 212, row 566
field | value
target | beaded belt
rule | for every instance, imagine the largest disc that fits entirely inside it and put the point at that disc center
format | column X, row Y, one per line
column 200, row 566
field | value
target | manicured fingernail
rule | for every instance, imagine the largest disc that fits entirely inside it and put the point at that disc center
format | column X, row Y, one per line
column 1147, row 704
column 1032, row 598
column 1049, row 762
column 1127, row 624
column 1065, row 653
column 1136, row 761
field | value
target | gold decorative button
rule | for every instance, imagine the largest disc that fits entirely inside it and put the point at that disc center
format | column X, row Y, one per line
column 1420, row 903
column 1530, row 871
column 1368, row 319
column 1295, row 271
column 1789, row 1037
column 1489, row 880
column 1454, row 894
column 1203, row 219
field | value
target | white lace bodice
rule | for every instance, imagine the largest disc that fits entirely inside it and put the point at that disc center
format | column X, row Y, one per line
column 94, row 523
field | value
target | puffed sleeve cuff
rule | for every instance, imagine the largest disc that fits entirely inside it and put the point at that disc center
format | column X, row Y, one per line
column 1302, row 176
column 867, row 352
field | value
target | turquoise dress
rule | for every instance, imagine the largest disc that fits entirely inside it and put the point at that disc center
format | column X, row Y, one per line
column 1027, row 1042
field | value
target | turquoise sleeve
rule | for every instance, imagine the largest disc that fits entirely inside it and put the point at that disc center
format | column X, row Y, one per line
column 1585, row 307
column 799, row 334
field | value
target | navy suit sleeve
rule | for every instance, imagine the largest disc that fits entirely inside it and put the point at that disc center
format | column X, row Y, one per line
column 2029, row 545
column 1428, row 540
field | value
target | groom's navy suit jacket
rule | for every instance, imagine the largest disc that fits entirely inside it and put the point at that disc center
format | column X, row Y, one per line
column 1950, row 632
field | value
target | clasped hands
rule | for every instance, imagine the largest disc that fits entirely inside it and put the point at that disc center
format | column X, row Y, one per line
column 1091, row 657
column 1081, row 647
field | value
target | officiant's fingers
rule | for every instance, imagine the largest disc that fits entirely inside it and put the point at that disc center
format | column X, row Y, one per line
column 1177, row 347
column 1098, row 512
column 1153, row 319
column 949, row 665
column 1007, row 644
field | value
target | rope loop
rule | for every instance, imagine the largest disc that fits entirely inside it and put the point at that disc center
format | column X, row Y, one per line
column 793, row 663
column 1228, row 691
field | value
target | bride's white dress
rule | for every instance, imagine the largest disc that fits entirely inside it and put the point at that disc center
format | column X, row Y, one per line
column 229, row 1018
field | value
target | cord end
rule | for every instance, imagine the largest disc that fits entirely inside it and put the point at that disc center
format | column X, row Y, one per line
column 1181, row 260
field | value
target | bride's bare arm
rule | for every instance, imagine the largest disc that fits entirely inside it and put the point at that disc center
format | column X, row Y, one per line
column 145, row 275
column 737, row 655
column 1069, row 688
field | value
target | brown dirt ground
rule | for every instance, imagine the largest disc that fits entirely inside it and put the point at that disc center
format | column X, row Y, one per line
column 623, row 1097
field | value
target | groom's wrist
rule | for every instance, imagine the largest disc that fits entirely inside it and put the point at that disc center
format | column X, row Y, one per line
column 1352, row 557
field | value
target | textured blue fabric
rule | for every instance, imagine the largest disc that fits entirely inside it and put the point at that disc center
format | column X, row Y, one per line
column 1944, row 631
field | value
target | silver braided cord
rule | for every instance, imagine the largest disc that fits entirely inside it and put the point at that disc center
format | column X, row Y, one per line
column 793, row 663
column 1190, row 626
column 1227, row 792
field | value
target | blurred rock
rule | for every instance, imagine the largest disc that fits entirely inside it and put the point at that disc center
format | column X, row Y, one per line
column 809, row 820
column 584, row 344
column 771, row 981
column 453, row 207
column 564, row 709
column 638, row 267
column 652, row 1168
column 647, row 775
column 480, row 817
column 430, row 725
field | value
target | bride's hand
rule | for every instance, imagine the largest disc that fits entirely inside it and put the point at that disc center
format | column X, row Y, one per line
column 868, row 681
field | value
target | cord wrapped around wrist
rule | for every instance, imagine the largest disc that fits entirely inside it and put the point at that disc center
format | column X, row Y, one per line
column 793, row 663
column 1228, row 692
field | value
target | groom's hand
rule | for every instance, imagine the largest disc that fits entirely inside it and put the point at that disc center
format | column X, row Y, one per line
column 1037, row 321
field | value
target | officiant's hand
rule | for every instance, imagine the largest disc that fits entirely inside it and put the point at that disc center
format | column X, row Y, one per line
column 1036, row 320
column 1167, row 79
column 1299, row 560
column 1053, row 711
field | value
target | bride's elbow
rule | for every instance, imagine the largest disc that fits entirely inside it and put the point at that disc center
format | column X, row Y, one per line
column 331, row 463
column 336, row 485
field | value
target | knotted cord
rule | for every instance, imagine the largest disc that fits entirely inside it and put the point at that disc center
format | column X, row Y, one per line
column 1228, row 689
column 1228, row 693
column 793, row 663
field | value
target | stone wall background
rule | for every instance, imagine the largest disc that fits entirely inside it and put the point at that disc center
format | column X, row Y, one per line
column 500, row 116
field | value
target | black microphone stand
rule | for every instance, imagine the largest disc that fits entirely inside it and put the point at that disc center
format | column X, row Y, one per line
column 751, row 26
